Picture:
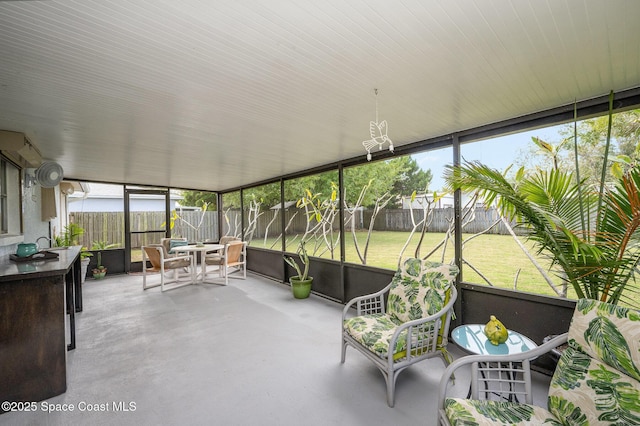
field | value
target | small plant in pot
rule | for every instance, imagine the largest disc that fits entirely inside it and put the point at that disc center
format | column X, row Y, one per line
column 84, row 259
column 100, row 270
column 300, row 283
column 69, row 237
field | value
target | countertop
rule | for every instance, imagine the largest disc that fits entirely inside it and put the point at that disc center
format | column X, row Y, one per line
column 11, row 270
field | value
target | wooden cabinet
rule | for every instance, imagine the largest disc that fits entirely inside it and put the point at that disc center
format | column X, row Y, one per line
column 35, row 297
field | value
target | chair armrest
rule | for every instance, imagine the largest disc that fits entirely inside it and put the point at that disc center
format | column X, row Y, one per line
column 496, row 362
column 367, row 304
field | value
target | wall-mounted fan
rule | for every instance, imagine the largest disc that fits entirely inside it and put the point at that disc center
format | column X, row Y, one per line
column 48, row 175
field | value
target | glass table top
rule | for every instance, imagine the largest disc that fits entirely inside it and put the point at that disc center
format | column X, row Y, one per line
column 471, row 338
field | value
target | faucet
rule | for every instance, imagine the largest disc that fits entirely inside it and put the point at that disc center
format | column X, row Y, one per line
column 46, row 238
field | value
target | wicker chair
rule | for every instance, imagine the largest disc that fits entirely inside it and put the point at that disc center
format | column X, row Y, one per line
column 414, row 325
column 163, row 263
column 596, row 381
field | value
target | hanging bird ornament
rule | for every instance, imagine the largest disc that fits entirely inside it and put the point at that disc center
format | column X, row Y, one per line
column 378, row 137
column 378, row 132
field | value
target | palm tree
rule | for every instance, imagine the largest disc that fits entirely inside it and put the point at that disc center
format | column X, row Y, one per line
column 592, row 240
column 590, row 235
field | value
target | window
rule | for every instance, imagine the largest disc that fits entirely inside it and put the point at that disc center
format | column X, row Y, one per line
column 195, row 216
column 262, row 216
column 10, row 201
column 312, row 212
column 396, row 209
column 231, row 214
column 497, row 252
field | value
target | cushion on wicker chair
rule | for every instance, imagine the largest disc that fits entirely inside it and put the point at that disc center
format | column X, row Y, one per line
column 405, row 322
column 597, row 376
column 419, row 289
column 465, row 412
column 374, row 332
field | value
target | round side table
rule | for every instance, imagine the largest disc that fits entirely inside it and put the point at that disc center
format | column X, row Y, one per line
column 471, row 339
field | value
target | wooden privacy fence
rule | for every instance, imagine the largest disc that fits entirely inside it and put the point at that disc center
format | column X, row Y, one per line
column 208, row 229
column 387, row 220
column 400, row 220
column 100, row 226
column 109, row 227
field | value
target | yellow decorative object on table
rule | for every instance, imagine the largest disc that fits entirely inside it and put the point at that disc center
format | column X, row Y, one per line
column 495, row 331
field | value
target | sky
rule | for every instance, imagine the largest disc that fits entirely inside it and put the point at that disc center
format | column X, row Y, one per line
column 497, row 152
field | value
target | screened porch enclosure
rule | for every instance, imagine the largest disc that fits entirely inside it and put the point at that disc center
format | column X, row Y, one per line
column 357, row 232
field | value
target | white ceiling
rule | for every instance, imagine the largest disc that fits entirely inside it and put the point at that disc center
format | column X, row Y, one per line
column 217, row 94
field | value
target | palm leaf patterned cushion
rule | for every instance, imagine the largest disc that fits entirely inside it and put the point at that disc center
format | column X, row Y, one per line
column 595, row 382
column 374, row 332
column 419, row 289
column 473, row 412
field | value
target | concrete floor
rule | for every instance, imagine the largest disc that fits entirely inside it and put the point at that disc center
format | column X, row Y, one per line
column 244, row 354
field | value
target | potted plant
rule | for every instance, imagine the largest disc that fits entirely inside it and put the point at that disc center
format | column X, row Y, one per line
column 69, row 236
column 300, row 283
column 84, row 263
column 100, row 270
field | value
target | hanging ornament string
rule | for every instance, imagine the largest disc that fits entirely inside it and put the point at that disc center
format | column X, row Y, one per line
column 376, row 93
column 378, row 133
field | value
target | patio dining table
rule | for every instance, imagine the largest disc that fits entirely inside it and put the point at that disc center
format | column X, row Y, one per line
column 194, row 249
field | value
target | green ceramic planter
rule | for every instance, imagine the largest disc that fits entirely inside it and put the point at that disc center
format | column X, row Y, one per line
column 300, row 289
column 26, row 249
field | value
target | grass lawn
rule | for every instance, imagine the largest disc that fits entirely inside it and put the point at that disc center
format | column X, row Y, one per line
column 497, row 257
column 136, row 255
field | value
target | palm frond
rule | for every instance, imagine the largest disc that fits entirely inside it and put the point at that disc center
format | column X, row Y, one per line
column 598, row 265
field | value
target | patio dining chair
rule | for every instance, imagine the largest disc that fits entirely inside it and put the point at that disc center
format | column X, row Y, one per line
column 223, row 241
column 411, row 327
column 179, row 265
column 172, row 245
column 232, row 258
column 215, row 257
